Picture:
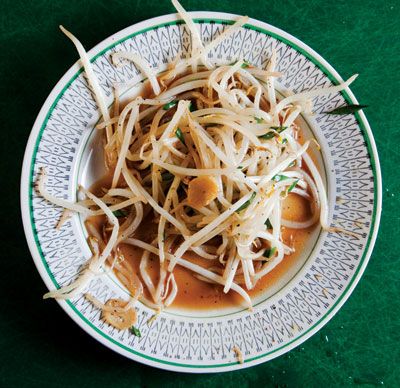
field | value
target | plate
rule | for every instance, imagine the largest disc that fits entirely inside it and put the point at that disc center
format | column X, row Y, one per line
column 63, row 140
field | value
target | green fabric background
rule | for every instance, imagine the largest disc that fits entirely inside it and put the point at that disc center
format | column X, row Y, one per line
column 40, row 346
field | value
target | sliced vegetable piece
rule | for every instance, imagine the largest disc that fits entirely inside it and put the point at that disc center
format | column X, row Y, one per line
column 270, row 135
column 345, row 110
column 115, row 314
column 179, row 135
column 268, row 253
column 268, row 224
column 247, row 203
column 292, row 186
column 279, row 178
column 135, row 331
column 119, row 213
column 201, row 191
column 170, row 104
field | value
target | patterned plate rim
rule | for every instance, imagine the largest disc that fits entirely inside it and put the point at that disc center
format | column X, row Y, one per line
column 27, row 184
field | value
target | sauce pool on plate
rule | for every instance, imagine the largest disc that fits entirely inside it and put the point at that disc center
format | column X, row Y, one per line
column 194, row 293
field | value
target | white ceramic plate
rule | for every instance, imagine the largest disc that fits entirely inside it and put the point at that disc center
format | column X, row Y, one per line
column 64, row 142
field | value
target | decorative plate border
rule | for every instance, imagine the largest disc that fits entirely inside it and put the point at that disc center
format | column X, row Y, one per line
column 278, row 315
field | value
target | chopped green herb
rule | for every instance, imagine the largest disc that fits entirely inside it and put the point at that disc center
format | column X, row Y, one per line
column 268, row 224
column 278, row 178
column 179, row 135
column 292, row 186
column 135, row 331
column 284, row 141
column 269, row 252
column 170, row 105
column 267, row 136
column 345, row 110
column 259, row 120
column 192, row 107
column 247, row 203
column 167, row 176
column 245, row 65
column 279, row 129
column 119, row 213
column 270, row 135
column 239, row 167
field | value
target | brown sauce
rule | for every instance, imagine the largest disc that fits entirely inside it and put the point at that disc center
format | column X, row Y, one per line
column 197, row 294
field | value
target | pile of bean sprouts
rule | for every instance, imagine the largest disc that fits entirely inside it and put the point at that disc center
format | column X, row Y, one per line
column 211, row 153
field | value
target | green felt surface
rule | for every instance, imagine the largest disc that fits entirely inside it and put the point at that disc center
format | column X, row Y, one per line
column 40, row 346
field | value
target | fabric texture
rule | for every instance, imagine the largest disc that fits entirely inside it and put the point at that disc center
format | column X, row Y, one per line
column 41, row 346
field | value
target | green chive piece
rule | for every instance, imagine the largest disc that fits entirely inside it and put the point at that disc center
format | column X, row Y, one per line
column 167, row 176
column 239, row 167
column 135, row 331
column 267, row 136
column 268, row 224
column 119, row 213
column 245, row 65
column 279, row 129
column 179, row 135
column 270, row 135
column 269, row 252
column 247, row 203
column 279, row 177
column 345, row 110
column 259, row 120
column 292, row 186
column 170, row 105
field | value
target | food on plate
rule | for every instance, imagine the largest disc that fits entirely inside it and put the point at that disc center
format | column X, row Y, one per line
column 202, row 166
